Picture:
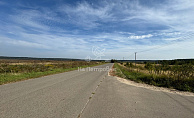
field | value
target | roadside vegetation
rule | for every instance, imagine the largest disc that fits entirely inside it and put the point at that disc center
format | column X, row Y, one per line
column 17, row 70
column 163, row 74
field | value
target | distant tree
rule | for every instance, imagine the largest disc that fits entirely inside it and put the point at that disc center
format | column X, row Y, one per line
column 145, row 62
column 173, row 62
column 131, row 65
column 113, row 61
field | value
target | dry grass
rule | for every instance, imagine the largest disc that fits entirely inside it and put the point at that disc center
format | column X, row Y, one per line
column 17, row 70
column 177, row 76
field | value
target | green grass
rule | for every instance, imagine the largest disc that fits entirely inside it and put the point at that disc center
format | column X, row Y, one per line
column 161, row 81
column 13, row 77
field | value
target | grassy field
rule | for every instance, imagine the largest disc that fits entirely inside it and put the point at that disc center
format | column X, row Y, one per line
column 177, row 77
column 17, row 70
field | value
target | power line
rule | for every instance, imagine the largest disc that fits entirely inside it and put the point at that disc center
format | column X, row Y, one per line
column 130, row 55
column 186, row 37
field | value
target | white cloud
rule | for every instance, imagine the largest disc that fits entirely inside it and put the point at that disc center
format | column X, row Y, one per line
column 140, row 37
column 176, row 15
column 84, row 14
column 28, row 18
column 23, row 43
column 174, row 18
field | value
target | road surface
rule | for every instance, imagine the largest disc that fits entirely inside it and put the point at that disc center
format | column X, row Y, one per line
column 88, row 94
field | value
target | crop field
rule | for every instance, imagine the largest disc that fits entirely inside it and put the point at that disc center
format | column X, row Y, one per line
column 12, row 70
column 176, row 76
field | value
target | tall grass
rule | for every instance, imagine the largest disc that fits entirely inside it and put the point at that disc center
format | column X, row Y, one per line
column 157, row 80
column 17, row 71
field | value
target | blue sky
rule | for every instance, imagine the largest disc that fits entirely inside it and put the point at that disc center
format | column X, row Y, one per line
column 155, row 29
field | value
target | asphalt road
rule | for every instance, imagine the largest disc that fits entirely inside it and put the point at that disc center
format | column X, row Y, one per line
column 88, row 94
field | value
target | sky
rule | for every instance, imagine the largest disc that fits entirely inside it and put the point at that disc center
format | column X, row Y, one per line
column 97, row 29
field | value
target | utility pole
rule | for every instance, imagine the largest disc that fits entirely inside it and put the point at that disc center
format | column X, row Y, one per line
column 135, row 58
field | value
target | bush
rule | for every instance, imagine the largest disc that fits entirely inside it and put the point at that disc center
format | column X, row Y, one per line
column 127, row 64
column 113, row 61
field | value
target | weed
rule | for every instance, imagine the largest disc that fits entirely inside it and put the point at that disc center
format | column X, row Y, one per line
column 184, row 84
column 17, row 70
